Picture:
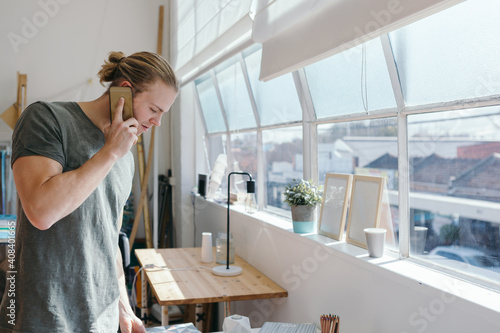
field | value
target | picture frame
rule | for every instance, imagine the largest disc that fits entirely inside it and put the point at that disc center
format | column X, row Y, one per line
column 364, row 207
column 336, row 194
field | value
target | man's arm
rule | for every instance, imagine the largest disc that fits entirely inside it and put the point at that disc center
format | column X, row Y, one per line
column 47, row 194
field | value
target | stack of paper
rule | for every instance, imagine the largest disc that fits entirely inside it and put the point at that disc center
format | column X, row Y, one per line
column 177, row 328
column 270, row 327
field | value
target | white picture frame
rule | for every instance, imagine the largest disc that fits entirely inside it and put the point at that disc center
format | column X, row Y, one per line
column 336, row 194
column 364, row 207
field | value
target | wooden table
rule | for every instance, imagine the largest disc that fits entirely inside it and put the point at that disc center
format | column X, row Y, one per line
column 185, row 281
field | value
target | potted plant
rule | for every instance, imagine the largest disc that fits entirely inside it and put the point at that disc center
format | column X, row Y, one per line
column 303, row 197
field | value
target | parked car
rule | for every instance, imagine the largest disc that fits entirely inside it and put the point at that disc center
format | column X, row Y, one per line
column 467, row 255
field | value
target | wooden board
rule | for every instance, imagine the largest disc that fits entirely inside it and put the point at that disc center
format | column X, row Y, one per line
column 199, row 285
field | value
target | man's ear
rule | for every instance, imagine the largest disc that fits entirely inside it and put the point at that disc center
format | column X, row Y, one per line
column 126, row 84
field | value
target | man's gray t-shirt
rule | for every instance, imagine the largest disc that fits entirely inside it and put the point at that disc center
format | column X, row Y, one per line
column 66, row 279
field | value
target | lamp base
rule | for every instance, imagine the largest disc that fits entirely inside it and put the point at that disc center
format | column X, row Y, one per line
column 223, row 271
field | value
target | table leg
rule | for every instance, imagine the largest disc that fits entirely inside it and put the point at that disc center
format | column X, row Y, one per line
column 144, row 296
column 227, row 309
column 200, row 317
column 164, row 315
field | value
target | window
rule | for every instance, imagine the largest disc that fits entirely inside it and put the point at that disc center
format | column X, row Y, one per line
column 454, row 198
column 277, row 101
column 442, row 59
column 216, row 146
column 283, row 160
column 338, row 86
column 234, row 95
column 209, row 102
column 366, row 147
column 216, row 151
column 359, row 147
column 244, row 157
column 340, row 115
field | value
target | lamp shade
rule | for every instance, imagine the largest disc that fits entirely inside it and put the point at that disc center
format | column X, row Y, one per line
column 251, row 186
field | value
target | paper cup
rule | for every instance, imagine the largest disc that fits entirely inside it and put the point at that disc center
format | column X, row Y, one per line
column 375, row 240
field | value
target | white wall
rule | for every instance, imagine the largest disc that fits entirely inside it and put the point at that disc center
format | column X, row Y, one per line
column 61, row 44
column 321, row 278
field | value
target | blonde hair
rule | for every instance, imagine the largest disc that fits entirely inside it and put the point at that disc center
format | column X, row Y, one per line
column 141, row 69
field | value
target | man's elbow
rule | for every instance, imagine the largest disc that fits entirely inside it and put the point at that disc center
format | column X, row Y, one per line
column 38, row 219
column 40, row 224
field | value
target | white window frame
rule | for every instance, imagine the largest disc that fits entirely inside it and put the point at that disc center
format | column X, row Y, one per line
column 309, row 125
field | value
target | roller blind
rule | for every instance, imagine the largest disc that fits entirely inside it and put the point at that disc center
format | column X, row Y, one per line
column 206, row 30
column 296, row 33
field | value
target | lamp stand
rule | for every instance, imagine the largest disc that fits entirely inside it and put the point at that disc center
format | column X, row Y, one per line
column 224, row 271
column 227, row 270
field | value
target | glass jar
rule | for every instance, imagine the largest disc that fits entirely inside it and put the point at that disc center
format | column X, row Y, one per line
column 221, row 248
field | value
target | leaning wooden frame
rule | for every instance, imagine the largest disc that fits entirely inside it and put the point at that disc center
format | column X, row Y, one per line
column 337, row 191
column 364, row 207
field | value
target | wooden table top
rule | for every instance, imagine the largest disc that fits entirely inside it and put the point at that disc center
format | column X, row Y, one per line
column 199, row 285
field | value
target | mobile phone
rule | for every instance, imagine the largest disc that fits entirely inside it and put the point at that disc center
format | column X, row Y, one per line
column 114, row 96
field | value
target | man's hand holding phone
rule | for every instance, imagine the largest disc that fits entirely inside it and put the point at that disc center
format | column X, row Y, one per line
column 121, row 134
column 115, row 93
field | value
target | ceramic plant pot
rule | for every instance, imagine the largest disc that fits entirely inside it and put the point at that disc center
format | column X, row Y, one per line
column 304, row 218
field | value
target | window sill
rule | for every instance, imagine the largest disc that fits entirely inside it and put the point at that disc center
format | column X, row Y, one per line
column 409, row 271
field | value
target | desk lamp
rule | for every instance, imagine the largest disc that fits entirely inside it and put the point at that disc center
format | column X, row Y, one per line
column 227, row 270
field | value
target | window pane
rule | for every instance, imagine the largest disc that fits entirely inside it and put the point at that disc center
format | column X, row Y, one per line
column 454, row 189
column 210, row 106
column 218, row 173
column 244, row 153
column 277, row 101
column 336, row 84
column 234, row 95
column 440, row 58
column 368, row 148
column 216, row 146
column 284, row 161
